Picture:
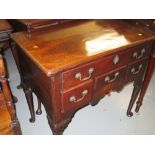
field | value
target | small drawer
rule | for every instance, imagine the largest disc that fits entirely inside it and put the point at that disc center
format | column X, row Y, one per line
column 78, row 75
column 83, row 73
column 139, row 52
column 77, row 97
column 136, row 70
column 111, row 78
column 110, row 81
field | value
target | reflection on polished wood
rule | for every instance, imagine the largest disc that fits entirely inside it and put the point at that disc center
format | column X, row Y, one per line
column 79, row 62
column 105, row 42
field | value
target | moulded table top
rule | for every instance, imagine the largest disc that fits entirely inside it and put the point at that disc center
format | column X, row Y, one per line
column 73, row 43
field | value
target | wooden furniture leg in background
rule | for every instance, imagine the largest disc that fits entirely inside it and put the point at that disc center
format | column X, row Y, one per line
column 147, row 79
column 8, row 98
column 15, row 55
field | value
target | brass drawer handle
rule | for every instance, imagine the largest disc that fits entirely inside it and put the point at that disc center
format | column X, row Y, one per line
column 116, row 59
column 136, row 56
column 73, row 98
column 108, row 80
column 79, row 76
column 133, row 70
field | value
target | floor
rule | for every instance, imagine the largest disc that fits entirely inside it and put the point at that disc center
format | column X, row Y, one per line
column 107, row 117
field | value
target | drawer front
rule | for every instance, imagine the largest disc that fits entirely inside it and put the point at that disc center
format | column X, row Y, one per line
column 140, row 52
column 136, row 70
column 77, row 97
column 111, row 81
column 78, row 75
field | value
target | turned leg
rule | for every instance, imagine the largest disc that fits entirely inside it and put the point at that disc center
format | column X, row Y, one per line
column 14, row 98
column 8, row 97
column 145, row 84
column 133, row 98
column 39, row 111
column 29, row 98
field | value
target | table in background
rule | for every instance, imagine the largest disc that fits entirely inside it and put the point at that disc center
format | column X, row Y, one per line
column 9, row 124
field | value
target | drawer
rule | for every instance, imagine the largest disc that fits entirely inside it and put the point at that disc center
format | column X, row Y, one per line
column 111, row 81
column 140, row 52
column 83, row 73
column 136, row 70
column 77, row 97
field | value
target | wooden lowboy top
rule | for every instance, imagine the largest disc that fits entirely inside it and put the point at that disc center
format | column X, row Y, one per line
column 73, row 43
column 5, row 26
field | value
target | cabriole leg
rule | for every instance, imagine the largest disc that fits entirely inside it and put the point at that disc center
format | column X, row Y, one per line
column 145, row 84
column 29, row 98
column 39, row 111
column 133, row 98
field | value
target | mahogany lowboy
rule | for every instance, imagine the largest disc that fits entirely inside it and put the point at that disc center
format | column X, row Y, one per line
column 74, row 66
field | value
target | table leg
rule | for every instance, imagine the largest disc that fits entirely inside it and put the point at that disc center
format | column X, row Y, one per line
column 135, row 93
column 39, row 111
column 145, row 84
column 29, row 98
